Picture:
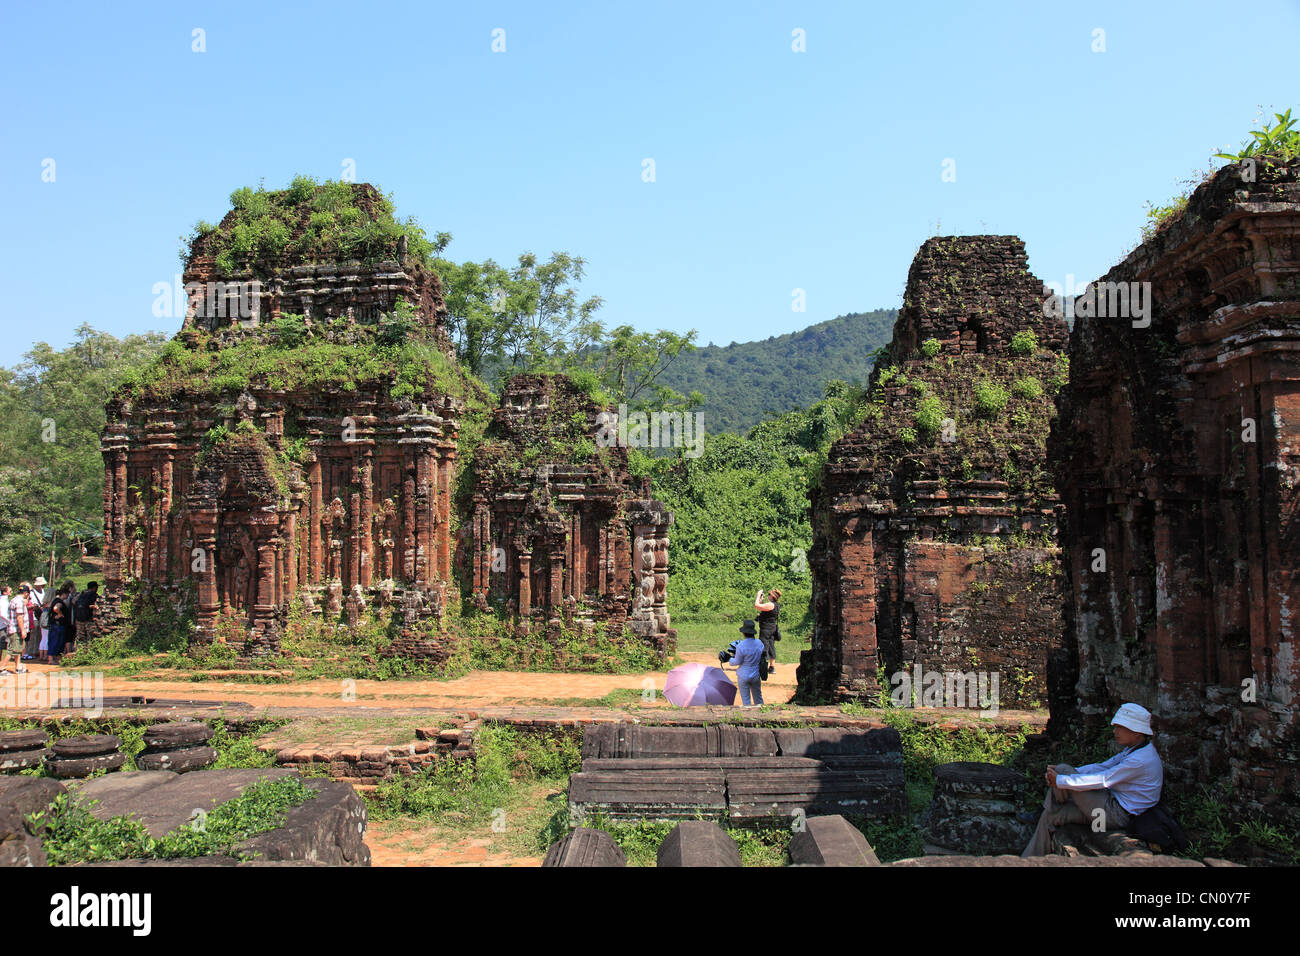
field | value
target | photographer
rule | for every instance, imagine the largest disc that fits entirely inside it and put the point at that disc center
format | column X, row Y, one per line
column 748, row 655
column 769, row 631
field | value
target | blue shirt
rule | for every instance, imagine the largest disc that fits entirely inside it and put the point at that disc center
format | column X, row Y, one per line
column 748, row 653
column 1134, row 776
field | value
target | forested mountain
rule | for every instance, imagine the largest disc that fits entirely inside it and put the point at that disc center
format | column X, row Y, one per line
column 742, row 382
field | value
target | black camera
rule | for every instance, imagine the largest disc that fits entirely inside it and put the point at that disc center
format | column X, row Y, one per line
column 728, row 654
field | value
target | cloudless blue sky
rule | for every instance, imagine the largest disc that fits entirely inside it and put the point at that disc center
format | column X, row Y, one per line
column 775, row 170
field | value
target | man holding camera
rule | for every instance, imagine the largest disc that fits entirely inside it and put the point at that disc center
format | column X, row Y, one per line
column 747, row 655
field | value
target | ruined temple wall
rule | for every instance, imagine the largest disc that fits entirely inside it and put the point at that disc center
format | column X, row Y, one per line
column 250, row 529
column 559, row 531
column 1178, row 449
column 941, row 553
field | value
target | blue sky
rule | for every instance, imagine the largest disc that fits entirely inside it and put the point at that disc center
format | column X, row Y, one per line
column 774, row 170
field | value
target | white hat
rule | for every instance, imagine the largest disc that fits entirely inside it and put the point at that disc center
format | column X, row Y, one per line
column 1135, row 717
column 40, row 582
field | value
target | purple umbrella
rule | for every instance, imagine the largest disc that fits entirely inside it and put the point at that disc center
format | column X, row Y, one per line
column 694, row 684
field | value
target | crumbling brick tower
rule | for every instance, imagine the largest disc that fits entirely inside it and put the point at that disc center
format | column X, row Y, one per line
column 1178, row 458
column 933, row 522
column 298, row 436
column 558, row 530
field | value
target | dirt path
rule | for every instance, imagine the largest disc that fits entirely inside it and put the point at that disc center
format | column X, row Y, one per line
column 475, row 690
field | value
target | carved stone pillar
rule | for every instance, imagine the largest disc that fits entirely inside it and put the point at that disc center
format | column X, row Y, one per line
column 447, row 474
column 204, row 522
column 367, row 557
column 525, row 581
column 354, row 531
column 426, row 493
column 408, row 528
column 557, row 581
column 316, row 557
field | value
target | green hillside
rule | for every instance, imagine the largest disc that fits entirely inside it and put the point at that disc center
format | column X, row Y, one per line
column 743, row 382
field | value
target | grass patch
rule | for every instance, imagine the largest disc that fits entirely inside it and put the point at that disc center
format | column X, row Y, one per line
column 74, row 835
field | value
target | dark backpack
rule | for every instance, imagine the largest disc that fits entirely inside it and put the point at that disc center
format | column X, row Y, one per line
column 1157, row 825
column 81, row 611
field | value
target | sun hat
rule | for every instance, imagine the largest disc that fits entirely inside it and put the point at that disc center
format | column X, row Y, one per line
column 748, row 629
column 40, row 582
column 1135, row 717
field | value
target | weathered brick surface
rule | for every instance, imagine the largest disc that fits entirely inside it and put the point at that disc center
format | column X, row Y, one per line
column 560, row 532
column 1193, row 612
column 363, row 520
column 942, row 553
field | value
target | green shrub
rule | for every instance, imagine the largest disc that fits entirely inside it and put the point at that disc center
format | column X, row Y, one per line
column 1024, row 342
column 907, row 436
column 289, row 331
column 930, row 347
column 1027, row 387
column 990, row 398
column 930, row 414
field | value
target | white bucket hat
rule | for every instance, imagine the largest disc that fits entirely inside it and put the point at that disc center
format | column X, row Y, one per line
column 40, row 582
column 1135, row 717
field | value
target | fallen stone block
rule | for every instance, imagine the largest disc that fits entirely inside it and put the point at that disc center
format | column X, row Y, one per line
column 329, row 829
column 672, row 764
column 648, row 794
column 29, row 795
column 86, row 745
column 974, row 808
column 698, row 843
column 759, row 796
column 18, row 740
column 18, row 847
column 831, row 841
column 182, row 760
column 585, row 847
column 67, row 768
column 638, row 740
column 826, row 741
column 162, row 805
column 175, row 735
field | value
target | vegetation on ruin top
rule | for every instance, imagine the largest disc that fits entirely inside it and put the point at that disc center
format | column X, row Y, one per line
column 308, row 221
column 962, row 418
column 1277, row 141
column 397, row 357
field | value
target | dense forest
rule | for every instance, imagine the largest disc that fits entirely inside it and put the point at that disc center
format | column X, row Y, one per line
column 744, row 383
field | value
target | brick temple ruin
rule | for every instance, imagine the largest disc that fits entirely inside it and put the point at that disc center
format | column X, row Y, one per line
column 1178, row 458
column 935, row 547
column 362, row 511
column 558, row 531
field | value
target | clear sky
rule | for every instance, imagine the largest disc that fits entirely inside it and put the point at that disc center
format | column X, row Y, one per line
column 775, row 170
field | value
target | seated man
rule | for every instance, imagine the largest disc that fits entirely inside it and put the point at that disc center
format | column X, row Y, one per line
column 1121, row 787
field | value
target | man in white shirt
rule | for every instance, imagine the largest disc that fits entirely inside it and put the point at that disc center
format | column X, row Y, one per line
column 1110, row 793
